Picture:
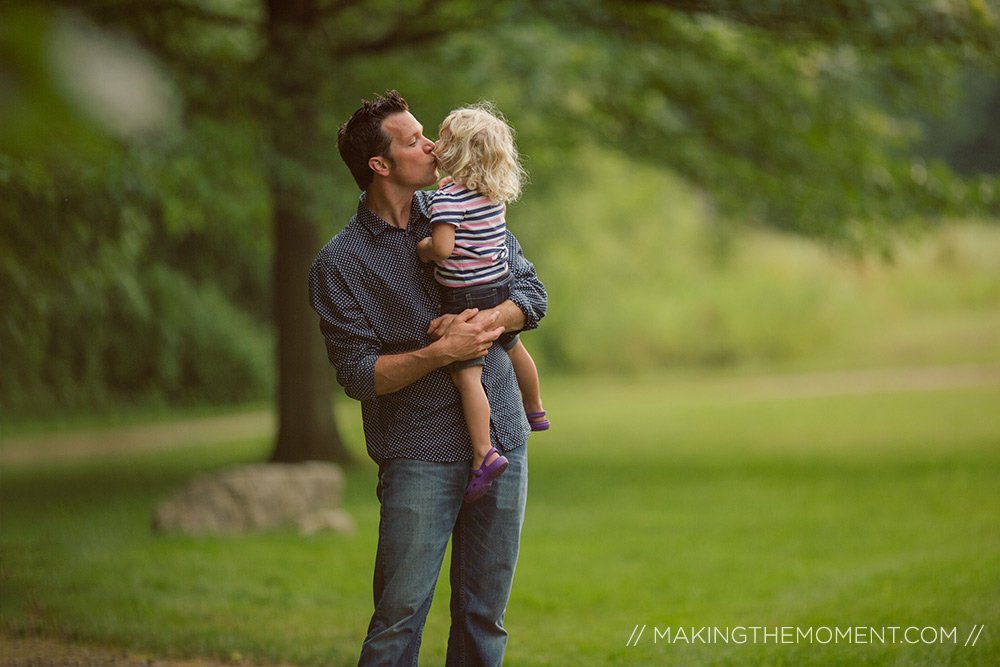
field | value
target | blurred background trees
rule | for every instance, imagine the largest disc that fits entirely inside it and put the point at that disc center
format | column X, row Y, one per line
column 168, row 169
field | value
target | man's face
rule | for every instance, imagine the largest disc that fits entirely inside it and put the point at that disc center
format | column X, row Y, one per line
column 415, row 165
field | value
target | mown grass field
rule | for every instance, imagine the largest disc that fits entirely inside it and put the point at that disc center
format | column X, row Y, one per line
column 658, row 503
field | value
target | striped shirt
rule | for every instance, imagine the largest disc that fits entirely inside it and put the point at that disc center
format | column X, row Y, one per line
column 374, row 297
column 480, row 254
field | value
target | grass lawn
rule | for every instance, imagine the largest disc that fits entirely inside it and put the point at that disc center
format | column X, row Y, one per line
column 650, row 505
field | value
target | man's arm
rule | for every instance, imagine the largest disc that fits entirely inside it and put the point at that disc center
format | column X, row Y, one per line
column 509, row 316
column 526, row 291
column 465, row 336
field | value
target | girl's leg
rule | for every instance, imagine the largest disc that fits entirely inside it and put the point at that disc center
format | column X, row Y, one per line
column 527, row 379
column 476, row 406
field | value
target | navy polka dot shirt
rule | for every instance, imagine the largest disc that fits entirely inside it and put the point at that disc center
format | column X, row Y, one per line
column 374, row 296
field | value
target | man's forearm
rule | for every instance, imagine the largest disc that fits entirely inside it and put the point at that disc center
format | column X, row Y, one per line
column 511, row 316
column 395, row 371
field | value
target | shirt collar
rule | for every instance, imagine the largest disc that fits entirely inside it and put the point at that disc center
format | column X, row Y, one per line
column 376, row 225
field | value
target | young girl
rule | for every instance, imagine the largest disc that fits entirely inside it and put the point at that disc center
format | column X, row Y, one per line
column 468, row 245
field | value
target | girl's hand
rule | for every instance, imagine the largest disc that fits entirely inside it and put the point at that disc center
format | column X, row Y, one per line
column 447, row 180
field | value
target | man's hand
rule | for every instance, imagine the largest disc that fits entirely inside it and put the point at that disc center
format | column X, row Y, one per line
column 511, row 318
column 468, row 335
column 441, row 323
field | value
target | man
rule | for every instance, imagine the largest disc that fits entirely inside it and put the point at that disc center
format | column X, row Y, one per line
column 378, row 307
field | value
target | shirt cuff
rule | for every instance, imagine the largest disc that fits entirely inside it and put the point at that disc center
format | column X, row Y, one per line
column 358, row 380
column 531, row 316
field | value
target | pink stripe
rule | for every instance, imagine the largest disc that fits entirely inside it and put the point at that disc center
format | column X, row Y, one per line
column 481, row 245
column 471, row 264
column 491, row 239
column 447, row 206
column 485, row 224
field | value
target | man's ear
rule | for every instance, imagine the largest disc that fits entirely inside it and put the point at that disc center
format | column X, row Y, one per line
column 379, row 165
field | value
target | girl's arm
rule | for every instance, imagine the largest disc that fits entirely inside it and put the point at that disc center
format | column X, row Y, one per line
column 439, row 245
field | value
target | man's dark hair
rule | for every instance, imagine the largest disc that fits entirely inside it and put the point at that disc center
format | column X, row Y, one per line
column 362, row 137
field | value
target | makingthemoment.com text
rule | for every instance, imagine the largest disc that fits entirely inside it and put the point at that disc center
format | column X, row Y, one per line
column 797, row 635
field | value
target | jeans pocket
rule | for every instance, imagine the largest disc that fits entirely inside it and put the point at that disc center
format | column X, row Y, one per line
column 487, row 298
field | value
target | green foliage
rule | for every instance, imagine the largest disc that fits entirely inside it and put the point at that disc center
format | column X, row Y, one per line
column 36, row 114
column 643, row 274
column 213, row 209
column 102, row 300
column 160, row 338
column 969, row 140
column 789, row 129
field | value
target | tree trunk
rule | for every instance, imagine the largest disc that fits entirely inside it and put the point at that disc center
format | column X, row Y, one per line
column 306, row 426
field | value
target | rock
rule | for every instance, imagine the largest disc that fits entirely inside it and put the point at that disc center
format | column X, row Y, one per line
column 335, row 520
column 257, row 497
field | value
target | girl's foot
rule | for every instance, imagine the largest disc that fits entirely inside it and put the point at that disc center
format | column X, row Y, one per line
column 483, row 476
column 537, row 421
column 491, row 456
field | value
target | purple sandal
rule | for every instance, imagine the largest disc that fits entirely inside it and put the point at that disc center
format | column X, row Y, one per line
column 483, row 476
column 539, row 425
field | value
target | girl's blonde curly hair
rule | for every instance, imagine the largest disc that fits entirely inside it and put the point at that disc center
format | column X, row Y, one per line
column 477, row 149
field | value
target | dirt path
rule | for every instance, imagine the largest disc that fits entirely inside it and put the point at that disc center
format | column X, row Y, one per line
column 165, row 435
column 48, row 652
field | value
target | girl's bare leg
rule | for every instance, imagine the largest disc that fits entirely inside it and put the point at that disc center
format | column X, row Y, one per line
column 527, row 378
column 469, row 382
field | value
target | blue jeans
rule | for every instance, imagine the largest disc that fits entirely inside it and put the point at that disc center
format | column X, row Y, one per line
column 421, row 508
